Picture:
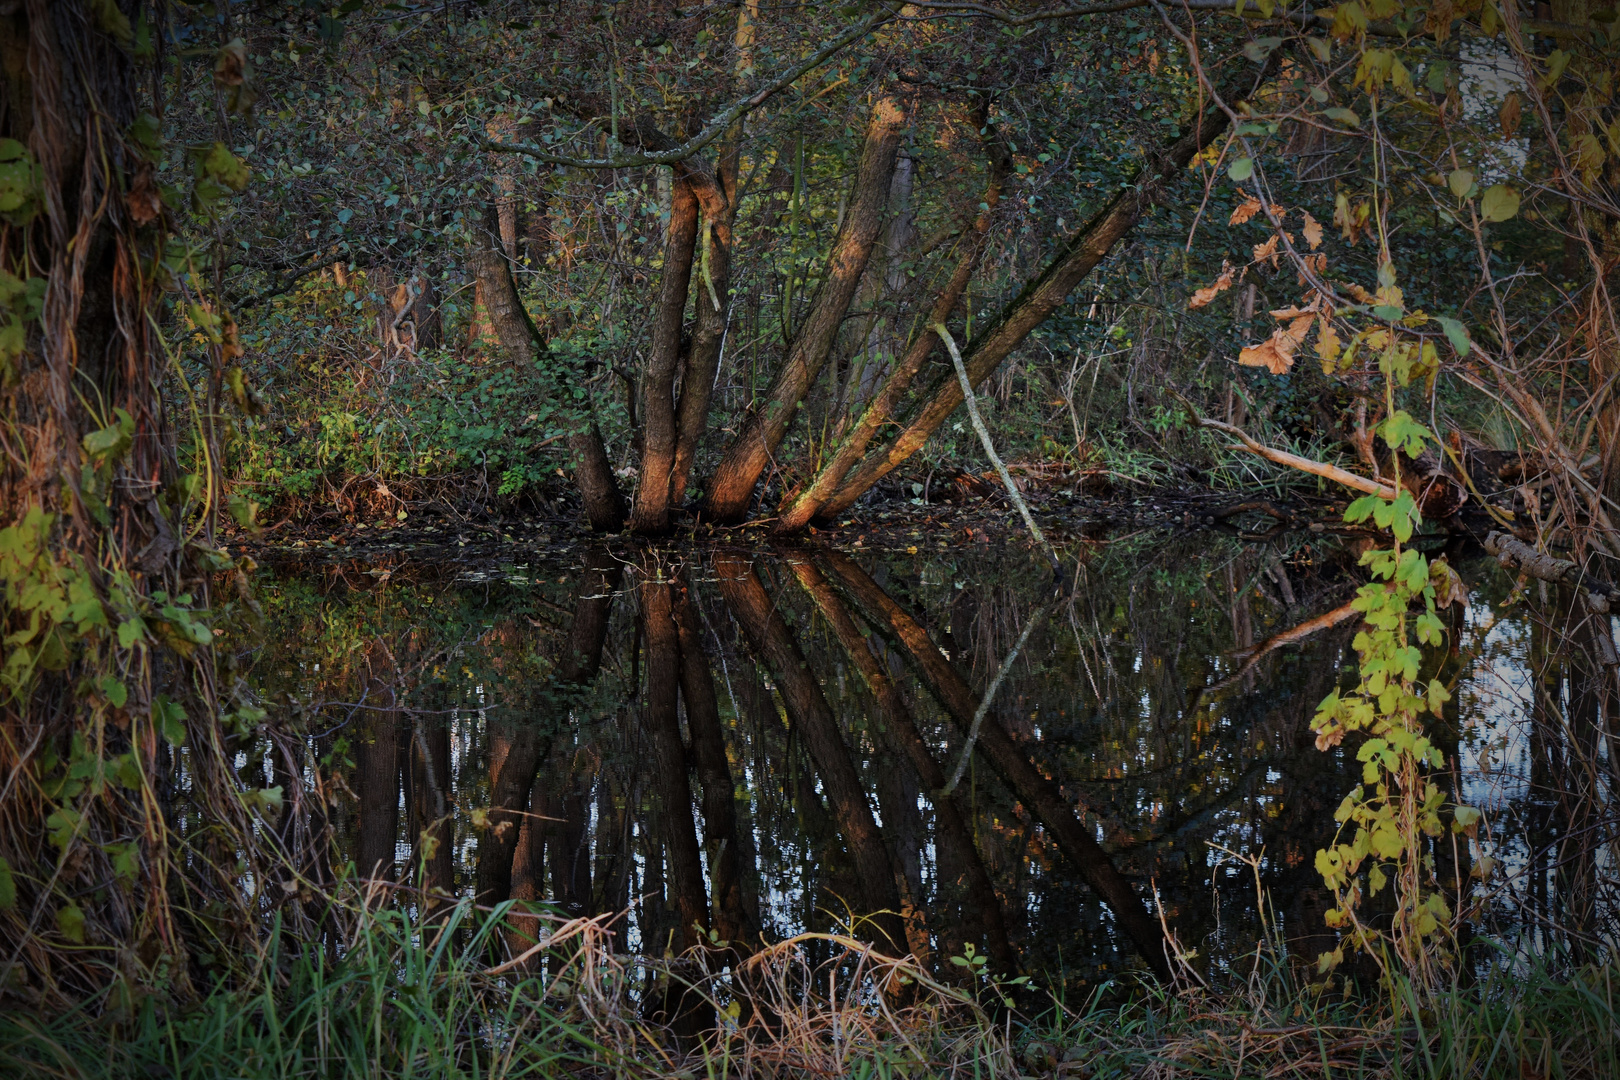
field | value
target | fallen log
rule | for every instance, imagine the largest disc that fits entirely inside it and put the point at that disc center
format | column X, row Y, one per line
column 1600, row 597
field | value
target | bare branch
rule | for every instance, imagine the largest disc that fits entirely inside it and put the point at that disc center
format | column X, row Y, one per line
column 722, row 121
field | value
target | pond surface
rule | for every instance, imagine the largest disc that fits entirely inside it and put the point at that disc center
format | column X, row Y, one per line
column 749, row 743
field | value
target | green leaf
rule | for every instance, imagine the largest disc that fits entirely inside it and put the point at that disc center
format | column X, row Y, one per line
column 170, row 720
column 226, row 168
column 21, row 182
column 1456, row 333
column 1343, row 116
column 1361, row 509
column 8, row 886
column 113, row 690
column 1461, row 182
column 1241, row 169
column 70, row 920
column 1499, row 203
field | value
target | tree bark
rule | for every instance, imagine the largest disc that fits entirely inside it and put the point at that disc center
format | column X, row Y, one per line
column 1033, row 306
column 709, row 329
column 1040, row 796
column 731, row 490
column 810, row 714
column 650, row 512
column 496, row 294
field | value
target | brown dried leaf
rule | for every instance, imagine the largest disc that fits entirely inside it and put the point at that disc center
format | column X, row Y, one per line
column 1249, row 207
column 1276, row 353
column 1267, row 250
column 1269, row 355
column 1509, row 115
column 1362, row 296
column 1328, row 346
column 1208, row 293
column 144, row 200
column 1313, row 231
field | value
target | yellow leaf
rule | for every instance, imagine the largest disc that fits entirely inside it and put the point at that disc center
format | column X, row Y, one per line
column 1327, row 343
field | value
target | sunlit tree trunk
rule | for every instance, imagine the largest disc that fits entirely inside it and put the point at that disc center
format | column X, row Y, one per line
column 731, row 489
column 1008, row 328
column 813, row 500
column 650, row 512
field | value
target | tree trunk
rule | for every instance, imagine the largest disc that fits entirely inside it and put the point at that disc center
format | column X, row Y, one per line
column 709, row 329
column 810, row 714
column 1031, row 307
column 520, row 342
column 1039, row 795
column 593, row 473
column 650, row 512
column 811, row 501
column 731, row 490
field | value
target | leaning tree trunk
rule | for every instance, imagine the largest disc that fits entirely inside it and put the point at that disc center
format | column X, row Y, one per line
column 102, row 684
column 731, row 489
column 1003, row 333
column 809, row 502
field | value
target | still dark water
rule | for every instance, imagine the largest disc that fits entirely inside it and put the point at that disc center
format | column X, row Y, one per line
column 757, row 742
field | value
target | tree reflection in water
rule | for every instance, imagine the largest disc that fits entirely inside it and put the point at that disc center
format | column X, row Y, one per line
column 731, row 747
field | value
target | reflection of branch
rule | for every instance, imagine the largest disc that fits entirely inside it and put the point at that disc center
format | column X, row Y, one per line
column 1253, row 655
column 989, row 693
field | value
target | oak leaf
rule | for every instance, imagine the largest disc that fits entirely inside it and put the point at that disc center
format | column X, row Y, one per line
column 1276, row 353
column 1208, row 293
column 1246, row 209
column 1267, row 250
column 1313, row 231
